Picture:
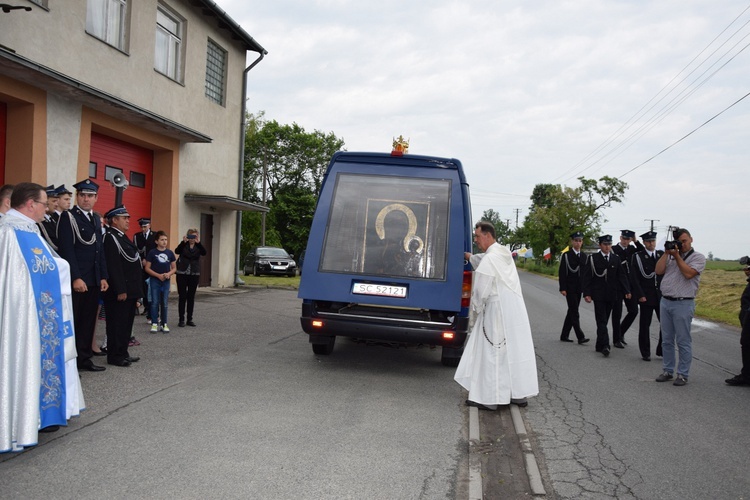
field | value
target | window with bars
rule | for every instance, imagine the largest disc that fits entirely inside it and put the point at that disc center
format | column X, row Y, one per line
column 216, row 62
column 105, row 19
column 168, row 52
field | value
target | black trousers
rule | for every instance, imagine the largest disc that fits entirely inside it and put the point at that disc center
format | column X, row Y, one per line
column 602, row 311
column 631, row 305
column 145, row 300
column 572, row 318
column 85, row 306
column 745, row 345
column 120, row 318
column 644, row 326
column 187, row 284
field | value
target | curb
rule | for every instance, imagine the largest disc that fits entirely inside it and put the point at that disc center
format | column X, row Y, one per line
column 532, row 467
column 475, row 464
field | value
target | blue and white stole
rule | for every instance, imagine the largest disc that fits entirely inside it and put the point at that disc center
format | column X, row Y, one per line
column 45, row 281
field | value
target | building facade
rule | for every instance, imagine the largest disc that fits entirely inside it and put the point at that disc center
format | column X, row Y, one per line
column 151, row 89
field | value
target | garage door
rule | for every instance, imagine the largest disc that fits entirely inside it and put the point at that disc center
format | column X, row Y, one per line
column 110, row 156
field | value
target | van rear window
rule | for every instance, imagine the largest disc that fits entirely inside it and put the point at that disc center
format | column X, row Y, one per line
column 388, row 226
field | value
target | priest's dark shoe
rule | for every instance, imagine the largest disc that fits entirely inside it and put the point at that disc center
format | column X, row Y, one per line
column 565, row 340
column 133, row 359
column 480, row 405
column 623, row 342
column 119, row 362
column 91, row 367
column 50, row 428
column 619, row 345
column 605, row 351
column 646, row 358
column 583, row 340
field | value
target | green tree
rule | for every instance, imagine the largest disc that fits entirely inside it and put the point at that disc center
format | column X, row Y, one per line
column 557, row 210
column 292, row 162
column 502, row 231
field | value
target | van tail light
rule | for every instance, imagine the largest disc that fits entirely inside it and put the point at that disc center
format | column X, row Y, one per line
column 466, row 289
column 316, row 323
column 449, row 335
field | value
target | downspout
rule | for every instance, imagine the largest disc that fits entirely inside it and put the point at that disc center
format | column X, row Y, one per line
column 241, row 170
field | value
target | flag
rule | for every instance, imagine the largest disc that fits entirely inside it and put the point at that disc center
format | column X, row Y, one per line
column 547, row 254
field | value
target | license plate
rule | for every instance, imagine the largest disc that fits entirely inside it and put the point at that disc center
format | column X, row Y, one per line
column 381, row 290
column 279, row 268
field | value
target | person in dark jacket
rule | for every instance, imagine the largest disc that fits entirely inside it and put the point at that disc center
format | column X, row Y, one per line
column 744, row 377
column 189, row 253
column 145, row 241
column 79, row 238
column 605, row 282
column 124, row 266
column 625, row 251
column 571, row 263
column 644, row 283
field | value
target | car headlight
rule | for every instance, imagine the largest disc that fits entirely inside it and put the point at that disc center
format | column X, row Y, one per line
column 263, row 261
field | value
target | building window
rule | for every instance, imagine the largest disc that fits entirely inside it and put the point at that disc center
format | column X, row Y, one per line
column 169, row 33
column 110, row 172
column 105, row 19
column 215, row 73
column 137, row 179
column 92, row 169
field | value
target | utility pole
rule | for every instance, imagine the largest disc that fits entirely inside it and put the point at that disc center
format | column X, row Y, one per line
column 652, row 222
column 517, row 211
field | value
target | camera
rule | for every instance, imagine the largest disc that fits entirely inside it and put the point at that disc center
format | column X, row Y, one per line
column 675, row 244
column 191, row 236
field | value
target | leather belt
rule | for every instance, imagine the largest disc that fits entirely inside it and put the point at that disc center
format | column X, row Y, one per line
column 677, row 298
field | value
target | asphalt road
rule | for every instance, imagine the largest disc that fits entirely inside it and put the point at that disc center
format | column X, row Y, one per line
column 240, row 407
column 603, row 428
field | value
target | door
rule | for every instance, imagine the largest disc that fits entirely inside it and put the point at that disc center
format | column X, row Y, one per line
column 207, row 238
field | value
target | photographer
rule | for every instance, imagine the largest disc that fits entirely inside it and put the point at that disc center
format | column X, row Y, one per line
column 744, row 377
column 681, row 267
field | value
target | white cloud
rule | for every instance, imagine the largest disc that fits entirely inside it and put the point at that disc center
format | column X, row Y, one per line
column 522, row 93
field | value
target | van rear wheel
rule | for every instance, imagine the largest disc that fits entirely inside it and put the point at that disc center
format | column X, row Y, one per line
column 451, row 356
column 324, row 346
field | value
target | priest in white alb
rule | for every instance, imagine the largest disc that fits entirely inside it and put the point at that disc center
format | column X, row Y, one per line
column 39, row 384
column 498, row 366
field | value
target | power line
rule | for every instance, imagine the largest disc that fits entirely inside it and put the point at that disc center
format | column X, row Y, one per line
column 687, row 135
column 651, row 122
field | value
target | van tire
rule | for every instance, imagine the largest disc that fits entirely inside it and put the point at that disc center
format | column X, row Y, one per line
column 451, row 356
column 324, row 349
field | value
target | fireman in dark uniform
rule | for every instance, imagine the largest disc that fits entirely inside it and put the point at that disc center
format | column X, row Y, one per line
column 124, row 268
column 145, row 241
column 571, row 263
column 604, row 281
column 48, row 226
column 625, row 251
column 79, row 235
column 644, row 284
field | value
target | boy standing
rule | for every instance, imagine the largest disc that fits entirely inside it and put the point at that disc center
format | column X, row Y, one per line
column 161, row 264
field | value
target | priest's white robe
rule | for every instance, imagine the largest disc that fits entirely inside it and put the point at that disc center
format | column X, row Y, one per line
column 498, row 363
column 21, row 344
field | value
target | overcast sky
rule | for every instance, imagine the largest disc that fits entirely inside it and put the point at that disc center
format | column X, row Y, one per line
column 530, row 92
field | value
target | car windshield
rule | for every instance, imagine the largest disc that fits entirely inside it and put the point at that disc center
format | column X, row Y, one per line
column 272, row 252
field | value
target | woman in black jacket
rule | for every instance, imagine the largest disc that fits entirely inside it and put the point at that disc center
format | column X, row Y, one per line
column 189, row 253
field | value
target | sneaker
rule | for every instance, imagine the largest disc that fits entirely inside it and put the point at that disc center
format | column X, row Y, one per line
column 664, row 377
column 165, row 328
column 680, row 380
column 737, row 380
column 154, row 328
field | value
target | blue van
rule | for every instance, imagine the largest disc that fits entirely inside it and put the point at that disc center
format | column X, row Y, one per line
column 385, row 255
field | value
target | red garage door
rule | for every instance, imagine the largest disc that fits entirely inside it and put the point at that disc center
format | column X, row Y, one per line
column 3, row 128
column 110, row 156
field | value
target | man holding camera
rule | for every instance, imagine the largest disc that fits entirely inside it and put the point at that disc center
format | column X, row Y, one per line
column 744, row 377
column 680, row 267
